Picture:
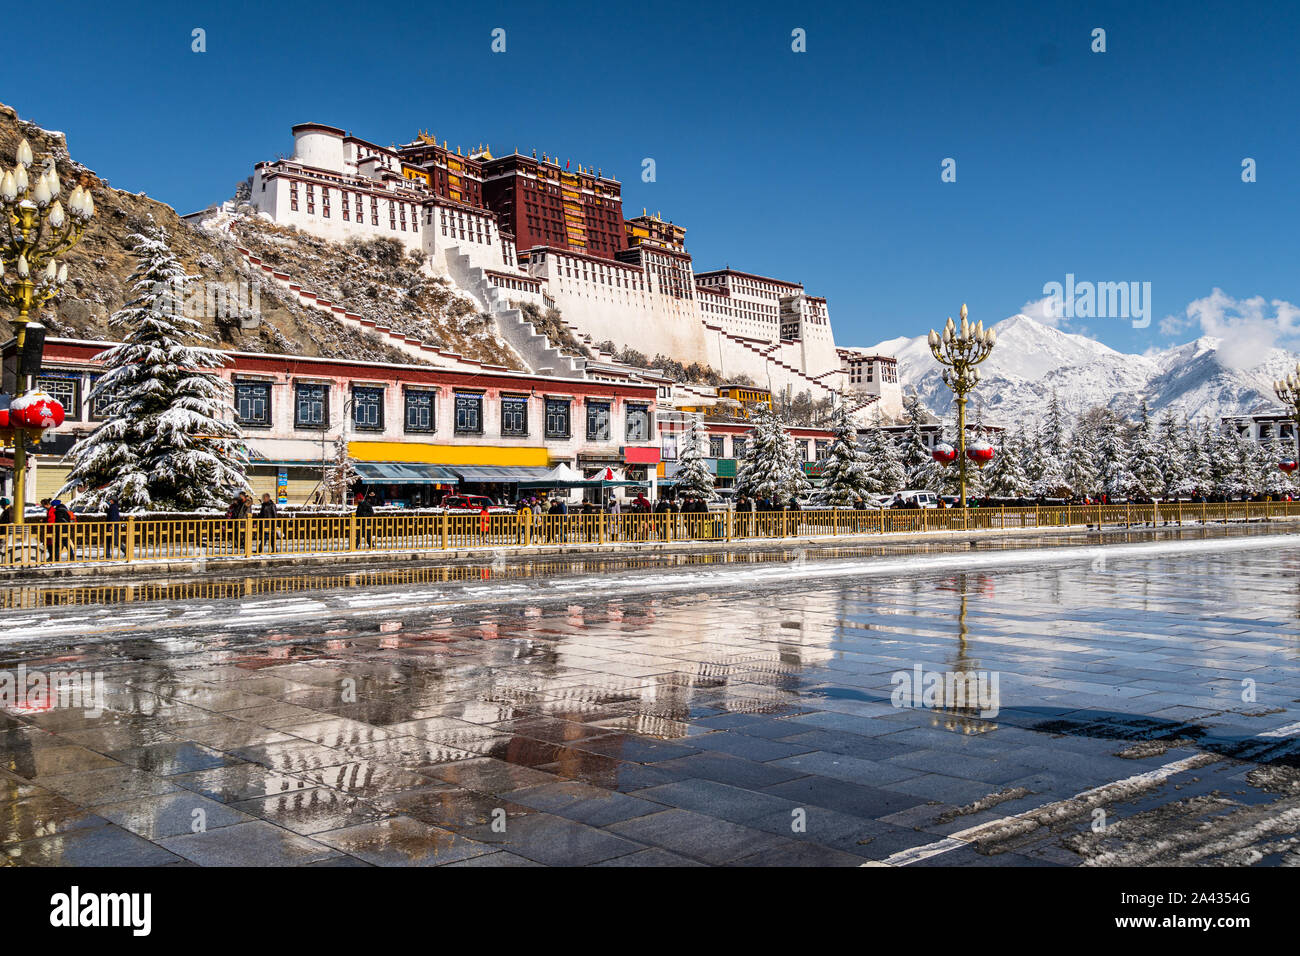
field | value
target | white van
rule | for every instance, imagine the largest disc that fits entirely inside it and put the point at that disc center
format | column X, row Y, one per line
column 914, row 498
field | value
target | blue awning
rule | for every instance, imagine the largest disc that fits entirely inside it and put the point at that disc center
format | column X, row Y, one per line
column 403, row 473
column 501, row 473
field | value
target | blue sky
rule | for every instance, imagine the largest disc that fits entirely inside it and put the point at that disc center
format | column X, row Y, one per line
column 821, row 167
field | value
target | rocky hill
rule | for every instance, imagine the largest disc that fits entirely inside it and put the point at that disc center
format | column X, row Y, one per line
column 369, row 279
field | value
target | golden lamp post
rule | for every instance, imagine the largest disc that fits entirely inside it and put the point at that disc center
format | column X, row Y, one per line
column 39, row 228
column 960, row 349
column 1288, row 393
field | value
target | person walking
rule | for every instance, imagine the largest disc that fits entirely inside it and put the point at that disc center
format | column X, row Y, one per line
column 365, row 519
column 61, row 518
column 267, row 514
column 113, row 515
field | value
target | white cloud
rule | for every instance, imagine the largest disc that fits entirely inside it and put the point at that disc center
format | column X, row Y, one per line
column 1246, row 328
column 1047, row 311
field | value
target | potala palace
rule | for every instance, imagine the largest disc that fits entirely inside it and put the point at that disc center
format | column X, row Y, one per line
column 517, row 229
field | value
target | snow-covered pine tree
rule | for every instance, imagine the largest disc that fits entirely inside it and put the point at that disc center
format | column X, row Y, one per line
column 1146, row 480
column 916, row 460
column 844, row 472
column 169, row 439
column 1199, row 442
column 342, row 473
column 693, row 476
column 1050, row 479
column 1113, row 455
column 1082, row 460
column 883, row 471
column 1171, row 457
column 1053, row 435
column 1005, row 477
column 770, row 468
column 1226, row 475
column 1273, row 480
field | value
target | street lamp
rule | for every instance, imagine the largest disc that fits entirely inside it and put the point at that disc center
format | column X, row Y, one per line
column 1288, row 393
column 961, row 349
column 39, row 229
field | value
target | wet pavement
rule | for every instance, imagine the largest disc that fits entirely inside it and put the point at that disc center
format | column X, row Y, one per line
column 1136, row 702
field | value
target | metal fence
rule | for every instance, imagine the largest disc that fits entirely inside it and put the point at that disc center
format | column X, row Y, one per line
column 149, row 539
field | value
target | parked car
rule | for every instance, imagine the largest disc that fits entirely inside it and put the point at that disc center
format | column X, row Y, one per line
column 471, row 503
column 912, row 498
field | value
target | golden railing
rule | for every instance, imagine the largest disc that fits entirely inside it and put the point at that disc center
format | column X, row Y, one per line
column 197, row 539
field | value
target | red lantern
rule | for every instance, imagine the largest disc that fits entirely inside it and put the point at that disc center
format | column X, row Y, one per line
column 981, row 453
column 1288, row 466
column 944, row 453
column 36, row 409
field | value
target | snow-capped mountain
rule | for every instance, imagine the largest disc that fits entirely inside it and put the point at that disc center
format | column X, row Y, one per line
column 1032, row 360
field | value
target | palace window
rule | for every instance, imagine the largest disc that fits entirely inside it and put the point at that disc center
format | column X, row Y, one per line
column 514, row 416
column 420, row 410
column 716, row 446
column 311, row 406
column 638, row 423
column 368, row 408
column 597, row 421
column 738, row 446
column 66, row 390
column 469, row 414
column 99, row 404
column 557, row 418
column 253, row 404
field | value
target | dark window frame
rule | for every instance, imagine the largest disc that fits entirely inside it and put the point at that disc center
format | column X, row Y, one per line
column 635, row 409
column 467, row 400
column 514, row 405
column 264, row 387
column 324, row 399
column 375, row 392
column 432, row 395
column 71, row 408
column 567, row 405
column 592, row 432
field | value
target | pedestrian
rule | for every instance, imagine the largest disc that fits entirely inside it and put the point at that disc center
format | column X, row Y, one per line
column 266, row 514
column 365, row 518
column 6, row 512
column 113, row 515
column 60, row 516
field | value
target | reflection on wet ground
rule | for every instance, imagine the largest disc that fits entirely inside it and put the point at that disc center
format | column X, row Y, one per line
column 751, row 721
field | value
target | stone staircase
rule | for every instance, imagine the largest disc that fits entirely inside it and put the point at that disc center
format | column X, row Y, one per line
column 534, row 347
column 818, row 388
column 420, row 351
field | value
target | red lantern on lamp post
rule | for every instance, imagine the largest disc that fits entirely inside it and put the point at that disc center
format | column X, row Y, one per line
column 1287, row 466
column 36, row 411
column 980, row 452
column 944, row 453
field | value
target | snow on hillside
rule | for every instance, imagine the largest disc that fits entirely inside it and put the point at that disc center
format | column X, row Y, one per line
column 1032, row 359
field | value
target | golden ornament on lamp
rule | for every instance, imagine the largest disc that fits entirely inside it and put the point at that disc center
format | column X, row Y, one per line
column 40, row 228
column 960, row 349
